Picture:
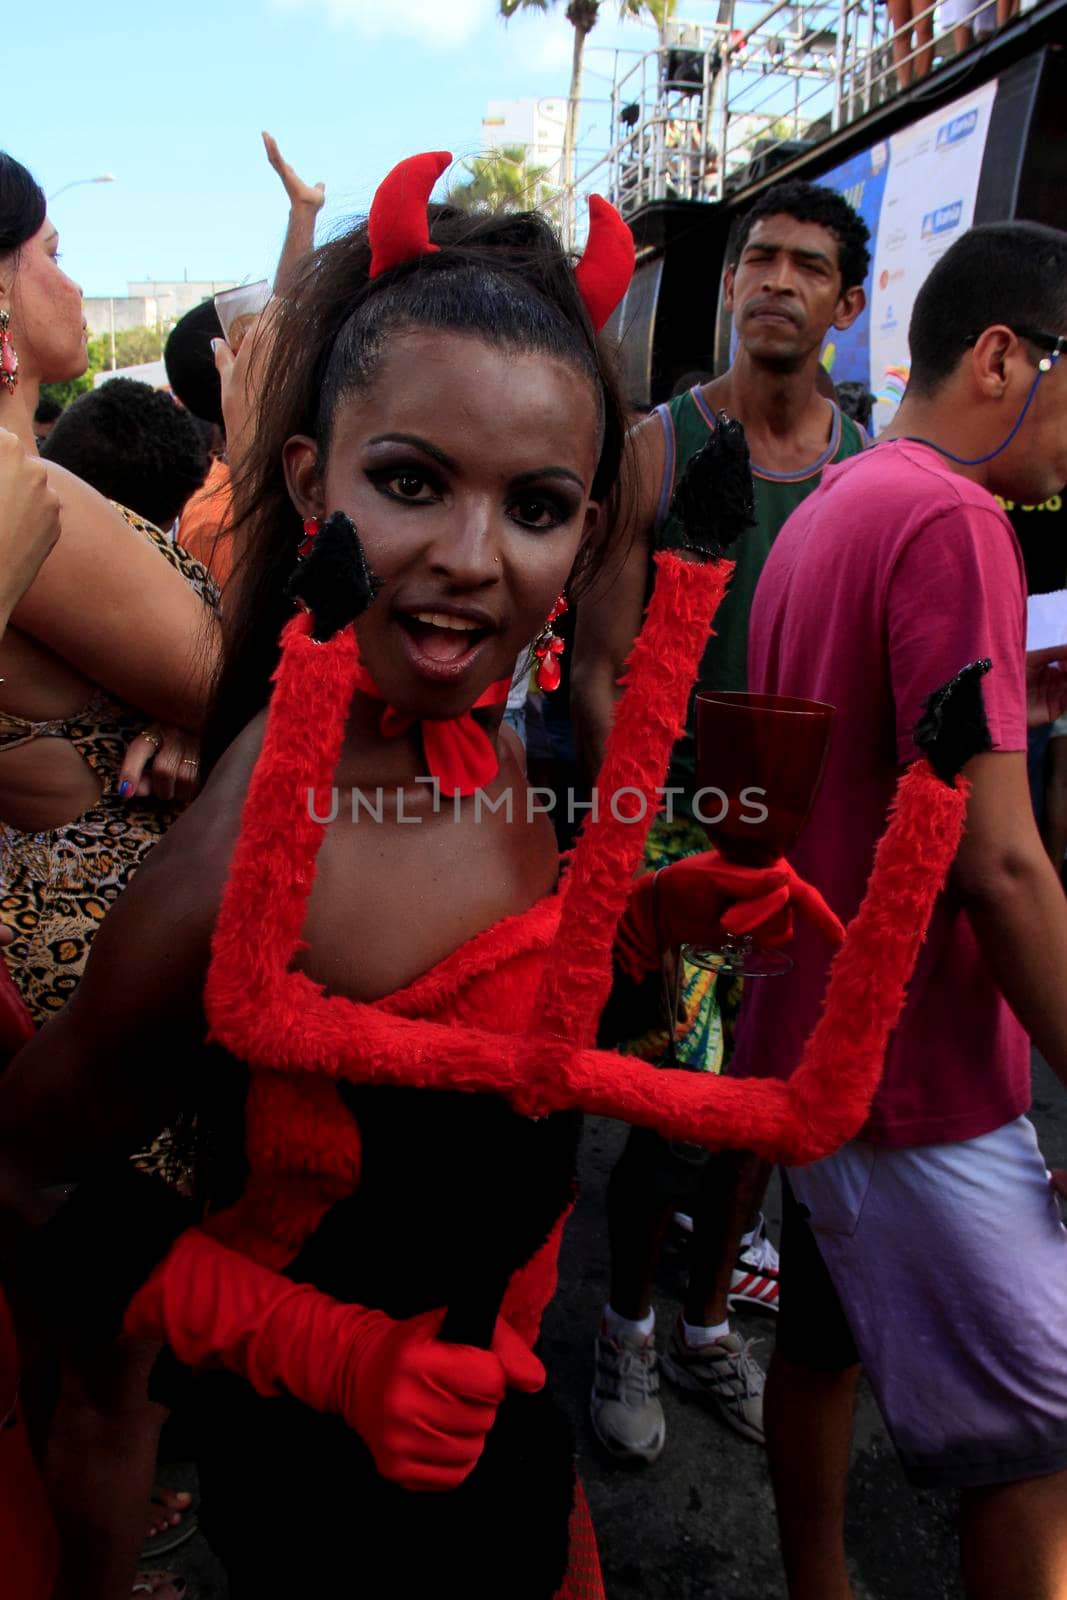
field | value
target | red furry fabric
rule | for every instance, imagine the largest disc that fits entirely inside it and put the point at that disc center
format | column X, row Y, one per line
column 302, row 1156
column 840, row 1068
column 649, row 719
column 832, row 1090
column 480, row 1022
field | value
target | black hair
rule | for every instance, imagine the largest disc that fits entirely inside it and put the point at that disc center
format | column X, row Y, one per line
column 22, row 205
column 1013, row 273
column 857, row 402
column 190, row 364
column 48, row 409
column 503, row 278
column 811, row 202
column 133, row 444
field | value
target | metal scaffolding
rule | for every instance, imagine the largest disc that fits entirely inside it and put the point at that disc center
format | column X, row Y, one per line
column 716, row 106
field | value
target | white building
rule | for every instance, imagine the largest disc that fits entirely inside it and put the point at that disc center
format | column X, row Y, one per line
column 148, row 304
column 537, row 125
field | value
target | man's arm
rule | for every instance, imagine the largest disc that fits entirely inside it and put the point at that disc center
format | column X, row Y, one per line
column 1015, row 902
column 609, row 617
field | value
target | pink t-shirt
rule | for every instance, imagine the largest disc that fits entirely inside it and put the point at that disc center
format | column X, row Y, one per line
column 888, row 579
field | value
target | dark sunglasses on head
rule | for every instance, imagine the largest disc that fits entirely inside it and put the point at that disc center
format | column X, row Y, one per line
column 1054, row 343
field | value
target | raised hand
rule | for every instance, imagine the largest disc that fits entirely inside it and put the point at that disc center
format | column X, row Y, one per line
column 312, row 195
column 240, row 378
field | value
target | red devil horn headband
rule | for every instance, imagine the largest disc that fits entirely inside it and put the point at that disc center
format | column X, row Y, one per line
column 607, row 265
column 399, row 230
column 398, row 227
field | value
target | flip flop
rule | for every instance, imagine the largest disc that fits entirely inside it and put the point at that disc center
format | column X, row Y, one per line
column 168, row 1539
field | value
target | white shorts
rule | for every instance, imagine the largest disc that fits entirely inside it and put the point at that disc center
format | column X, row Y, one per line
column 950, row 1264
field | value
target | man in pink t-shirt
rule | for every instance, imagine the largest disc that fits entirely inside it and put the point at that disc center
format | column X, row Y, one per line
column 871, row 612
column 930, row 1249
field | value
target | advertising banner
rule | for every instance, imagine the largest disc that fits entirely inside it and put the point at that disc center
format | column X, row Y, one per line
column 916, row 192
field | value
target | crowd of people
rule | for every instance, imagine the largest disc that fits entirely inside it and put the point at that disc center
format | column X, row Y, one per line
column 307, row 669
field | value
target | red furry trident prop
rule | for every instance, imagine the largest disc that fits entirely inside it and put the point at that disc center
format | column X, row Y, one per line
column 299, row 1041
column 399, row 230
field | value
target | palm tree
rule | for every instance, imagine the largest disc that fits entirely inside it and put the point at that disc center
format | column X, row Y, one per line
column 500, row 180
column 582, row 16
column 661, row 11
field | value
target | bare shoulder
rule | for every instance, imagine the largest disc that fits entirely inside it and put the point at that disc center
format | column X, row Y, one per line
column 643, row 471
column 84, row 508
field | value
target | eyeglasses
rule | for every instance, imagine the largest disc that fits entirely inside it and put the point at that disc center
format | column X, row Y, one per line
column 1054, row 343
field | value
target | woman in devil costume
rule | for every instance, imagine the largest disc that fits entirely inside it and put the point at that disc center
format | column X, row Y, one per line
column 377, row 912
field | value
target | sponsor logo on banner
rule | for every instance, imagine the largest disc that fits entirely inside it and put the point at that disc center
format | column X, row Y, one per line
column 959, row 128
column 943, row 220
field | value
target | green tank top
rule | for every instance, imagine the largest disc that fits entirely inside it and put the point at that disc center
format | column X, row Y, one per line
column 686, row 421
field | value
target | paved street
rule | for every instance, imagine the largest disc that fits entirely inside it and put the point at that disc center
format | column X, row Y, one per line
column 699, row 1525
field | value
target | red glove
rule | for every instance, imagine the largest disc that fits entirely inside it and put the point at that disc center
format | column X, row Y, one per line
column 423, row 1408
column 704, row 899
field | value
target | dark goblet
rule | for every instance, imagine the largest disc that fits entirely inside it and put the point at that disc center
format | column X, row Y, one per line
column 760, row 758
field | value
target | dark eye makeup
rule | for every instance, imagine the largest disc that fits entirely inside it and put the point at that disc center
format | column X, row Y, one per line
column 540, row 510
column 412, row 484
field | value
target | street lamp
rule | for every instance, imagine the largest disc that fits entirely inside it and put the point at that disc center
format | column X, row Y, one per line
column 104, row 177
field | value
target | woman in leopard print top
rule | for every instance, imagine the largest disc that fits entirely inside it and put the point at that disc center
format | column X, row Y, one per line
column 57, row 884
column 117, row 631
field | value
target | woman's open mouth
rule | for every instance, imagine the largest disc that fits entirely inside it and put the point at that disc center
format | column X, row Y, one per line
column 441, row 644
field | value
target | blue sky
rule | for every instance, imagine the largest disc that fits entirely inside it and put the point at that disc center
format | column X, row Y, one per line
column 171, row 99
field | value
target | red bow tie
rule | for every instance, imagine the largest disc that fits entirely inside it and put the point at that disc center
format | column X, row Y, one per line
column 459, row 753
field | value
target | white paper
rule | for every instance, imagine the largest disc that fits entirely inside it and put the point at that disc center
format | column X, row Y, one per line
column 1046, row 620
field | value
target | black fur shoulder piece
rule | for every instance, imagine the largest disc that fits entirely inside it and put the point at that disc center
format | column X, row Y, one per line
column 713, row 502
column 333, row 581
column 953, row 726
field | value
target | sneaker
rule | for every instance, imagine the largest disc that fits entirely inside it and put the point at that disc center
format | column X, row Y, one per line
column 624, row 1407
column 724, row 1375
column 754, row 1281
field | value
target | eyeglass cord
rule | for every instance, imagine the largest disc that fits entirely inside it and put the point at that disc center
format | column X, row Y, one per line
column 978, row 461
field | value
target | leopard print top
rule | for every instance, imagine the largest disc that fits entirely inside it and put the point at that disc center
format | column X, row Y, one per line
column 57, row 886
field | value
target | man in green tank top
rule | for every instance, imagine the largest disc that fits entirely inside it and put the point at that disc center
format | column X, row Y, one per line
column 799, row 263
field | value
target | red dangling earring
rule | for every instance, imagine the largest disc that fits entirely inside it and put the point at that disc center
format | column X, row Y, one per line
column 548, row 647
column 311, row 528
column 9, row 361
